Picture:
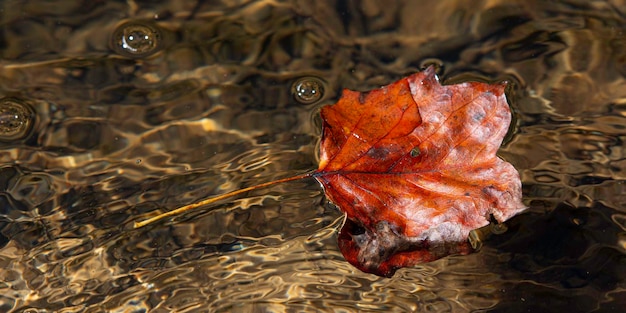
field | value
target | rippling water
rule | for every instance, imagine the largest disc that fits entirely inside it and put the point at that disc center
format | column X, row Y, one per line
column 111, row 111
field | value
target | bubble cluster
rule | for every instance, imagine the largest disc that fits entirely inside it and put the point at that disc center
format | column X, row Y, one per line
column 136, row 39
column 16, row 119
column 307, row 90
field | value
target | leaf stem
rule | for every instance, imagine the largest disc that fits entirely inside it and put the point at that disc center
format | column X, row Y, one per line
column 204, row 202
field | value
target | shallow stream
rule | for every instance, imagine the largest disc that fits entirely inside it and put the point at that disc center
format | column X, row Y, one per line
column 111, row 111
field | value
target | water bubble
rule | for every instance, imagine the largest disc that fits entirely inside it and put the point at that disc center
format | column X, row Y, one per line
column 137, row 39
column 16, row 119
column 307, row 90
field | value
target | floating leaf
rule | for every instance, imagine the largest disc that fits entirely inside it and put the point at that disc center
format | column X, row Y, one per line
column 414, row 167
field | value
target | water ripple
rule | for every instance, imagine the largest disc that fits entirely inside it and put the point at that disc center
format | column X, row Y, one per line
column 118, row 138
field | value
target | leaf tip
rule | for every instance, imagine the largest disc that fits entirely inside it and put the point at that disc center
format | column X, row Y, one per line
column 430, row 71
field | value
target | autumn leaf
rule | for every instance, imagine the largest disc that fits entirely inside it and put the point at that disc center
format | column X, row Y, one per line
column 413, row 165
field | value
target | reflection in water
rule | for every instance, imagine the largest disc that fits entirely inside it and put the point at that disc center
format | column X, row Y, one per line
column 120, row 137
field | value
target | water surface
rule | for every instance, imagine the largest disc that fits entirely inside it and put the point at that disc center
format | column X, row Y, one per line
column 98, row 130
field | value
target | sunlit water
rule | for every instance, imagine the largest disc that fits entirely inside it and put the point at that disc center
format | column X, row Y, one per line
column 112, row 111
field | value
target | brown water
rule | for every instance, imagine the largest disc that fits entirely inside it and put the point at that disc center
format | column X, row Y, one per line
column 102, row 124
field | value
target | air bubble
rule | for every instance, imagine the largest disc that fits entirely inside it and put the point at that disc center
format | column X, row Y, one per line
column 137, row 39
column 16, row 119
column 308, row 90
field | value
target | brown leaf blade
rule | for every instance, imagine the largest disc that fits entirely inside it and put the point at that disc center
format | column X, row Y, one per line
column 414, row 167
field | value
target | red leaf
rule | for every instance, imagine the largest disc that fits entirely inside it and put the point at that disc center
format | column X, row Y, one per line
column 414, row 167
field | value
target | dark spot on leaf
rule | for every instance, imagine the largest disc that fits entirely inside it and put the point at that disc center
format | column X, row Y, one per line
column 415, row 152
column 478, row 116
column 378, row 153
column 381, row 252
column 362, row 97
column 487, row 189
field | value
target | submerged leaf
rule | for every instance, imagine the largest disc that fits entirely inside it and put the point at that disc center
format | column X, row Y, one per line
column 414, row 167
